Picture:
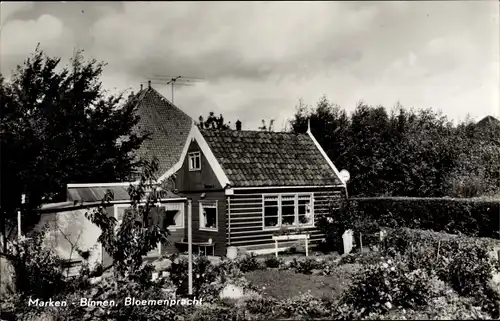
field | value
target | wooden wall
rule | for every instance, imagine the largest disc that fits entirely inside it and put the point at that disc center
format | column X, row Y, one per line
column 196, row 181
column 244, row 220
column 219, row 237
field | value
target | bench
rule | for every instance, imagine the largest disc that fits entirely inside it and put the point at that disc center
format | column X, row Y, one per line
column 200, row 245
column 304, row 237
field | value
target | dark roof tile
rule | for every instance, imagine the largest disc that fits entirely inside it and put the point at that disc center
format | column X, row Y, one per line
column 256, row 158
column 168, row 125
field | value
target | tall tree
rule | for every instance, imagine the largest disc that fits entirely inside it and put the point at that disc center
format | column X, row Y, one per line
column 58, row 127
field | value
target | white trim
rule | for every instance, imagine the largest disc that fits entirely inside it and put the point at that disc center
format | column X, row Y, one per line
column 328, row 160
column 194, row 155
column 180, row 207
column 209, row 155
column 195, row 135
column 101, row 184
column 296, row 197
column 178, row 165
column 200, row 210
column 233, row 189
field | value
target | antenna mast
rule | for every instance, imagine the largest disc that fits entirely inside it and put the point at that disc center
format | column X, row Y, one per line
column 173, row 81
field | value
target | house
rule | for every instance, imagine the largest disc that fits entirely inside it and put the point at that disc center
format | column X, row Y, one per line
column 246, row 185
column 168, row 128
column 69, row 228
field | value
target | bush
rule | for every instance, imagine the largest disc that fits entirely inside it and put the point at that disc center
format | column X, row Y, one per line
column 273, row 262
column 360, row 258
column 472, row 217
column 206, row 277
column 385, row 286
column 462, row 262
column 38, row 270
column 248, row 263
column 300, row 306
column 307, row 265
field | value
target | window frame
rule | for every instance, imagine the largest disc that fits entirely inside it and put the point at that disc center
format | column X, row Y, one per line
column 176, row 206
column 296, row 198
column 201, row 206
column 194, row 155
column 167, row 206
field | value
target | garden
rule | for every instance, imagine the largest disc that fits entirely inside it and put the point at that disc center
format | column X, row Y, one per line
column 411, row 273
column 414, row 275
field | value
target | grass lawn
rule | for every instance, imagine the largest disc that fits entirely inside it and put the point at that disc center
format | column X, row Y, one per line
column 288, row 284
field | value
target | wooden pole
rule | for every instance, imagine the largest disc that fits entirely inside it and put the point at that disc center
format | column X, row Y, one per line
column 190, row 248
column 19, row 234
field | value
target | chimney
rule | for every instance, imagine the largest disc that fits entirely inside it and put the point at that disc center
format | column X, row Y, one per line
column 238, row 125
column 149, row 83
column 141, row 87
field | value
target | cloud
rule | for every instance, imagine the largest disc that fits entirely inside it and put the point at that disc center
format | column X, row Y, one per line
column 258, row 58
column 8, row 9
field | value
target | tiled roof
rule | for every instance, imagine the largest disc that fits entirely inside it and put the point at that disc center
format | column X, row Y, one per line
column 256, row 158
column 169, row 127
column 96, row 193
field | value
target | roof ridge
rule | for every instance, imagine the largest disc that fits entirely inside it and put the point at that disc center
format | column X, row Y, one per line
column 168, row 101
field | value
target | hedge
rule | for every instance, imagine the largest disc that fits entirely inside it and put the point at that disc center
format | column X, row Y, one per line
column 471, row 217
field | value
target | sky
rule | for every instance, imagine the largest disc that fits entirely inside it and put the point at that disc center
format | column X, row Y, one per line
column 257, row 59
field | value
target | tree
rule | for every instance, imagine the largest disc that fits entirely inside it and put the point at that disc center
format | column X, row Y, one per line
column 269, row 127
column 213, row 122
column 129, row 242
column 59, row 127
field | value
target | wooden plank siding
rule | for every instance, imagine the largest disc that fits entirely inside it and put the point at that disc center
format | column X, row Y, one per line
column 245, row 213
column 219, row 237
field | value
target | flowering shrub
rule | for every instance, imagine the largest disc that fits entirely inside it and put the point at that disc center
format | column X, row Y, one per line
column 301, row 306
column 462, row 262
column 382, row 287
column 307, row 265
column 248, row 263
column 38, row 270
column 273, row 262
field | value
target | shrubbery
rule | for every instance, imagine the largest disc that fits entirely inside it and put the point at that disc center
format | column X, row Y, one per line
column 471, row 217
column 462, row 262
column 38, row 270
column 385, row 286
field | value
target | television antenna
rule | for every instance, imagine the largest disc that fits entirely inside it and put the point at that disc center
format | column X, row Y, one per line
column 175, row 81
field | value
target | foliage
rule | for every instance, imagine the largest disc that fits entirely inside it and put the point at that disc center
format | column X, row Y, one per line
column 405, row 152
column 130, row 241
column 59, row 126
column 307, row 265
column 38, row 270
column 248, row 263
column 388, row 285
column 462, row 262
column 213, row 122
column 267, row 128
column 273, row 262
column 472, row 217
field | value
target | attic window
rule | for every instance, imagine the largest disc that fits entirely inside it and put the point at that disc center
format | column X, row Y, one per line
column 195, row 161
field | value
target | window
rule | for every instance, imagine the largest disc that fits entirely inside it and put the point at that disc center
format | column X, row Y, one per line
column 194, row 161
column 288, row 210
column 271, row 211
column 169, row 216
column 174, row 216
column 293, row 210
column 208, row 215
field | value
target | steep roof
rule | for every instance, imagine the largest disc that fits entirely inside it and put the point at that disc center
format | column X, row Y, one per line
column 257, row 158
column 168, row 125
